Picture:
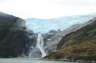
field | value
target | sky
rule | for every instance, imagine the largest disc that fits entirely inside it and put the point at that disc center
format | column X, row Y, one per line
column 49, row 12
column 47, row 9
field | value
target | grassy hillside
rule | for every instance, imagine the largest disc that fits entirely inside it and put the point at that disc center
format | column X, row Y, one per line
column 80, row 44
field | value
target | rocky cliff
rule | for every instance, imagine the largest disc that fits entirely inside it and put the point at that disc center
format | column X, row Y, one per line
column 13, row 36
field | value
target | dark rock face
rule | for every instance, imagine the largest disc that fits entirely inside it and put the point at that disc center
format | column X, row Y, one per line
column 31, row 43
column 51, row 40
column 13, row 38
column 5, row 18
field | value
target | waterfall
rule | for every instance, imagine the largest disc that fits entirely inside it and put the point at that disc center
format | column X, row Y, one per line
column 40, row 44
column 37, row 51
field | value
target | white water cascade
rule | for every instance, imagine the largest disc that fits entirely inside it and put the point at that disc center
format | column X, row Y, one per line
column 40, row 44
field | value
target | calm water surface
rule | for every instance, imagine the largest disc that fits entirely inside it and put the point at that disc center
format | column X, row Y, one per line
column 18, row 60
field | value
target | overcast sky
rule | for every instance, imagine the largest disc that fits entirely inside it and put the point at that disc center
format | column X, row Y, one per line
column 46, row 9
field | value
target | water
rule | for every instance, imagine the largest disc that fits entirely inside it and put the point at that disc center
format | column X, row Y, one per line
column 38, row 51
column 24, row 60
column 40, row 44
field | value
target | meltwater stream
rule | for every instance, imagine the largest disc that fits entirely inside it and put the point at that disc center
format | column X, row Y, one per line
column 38, row 51
column 40, row 45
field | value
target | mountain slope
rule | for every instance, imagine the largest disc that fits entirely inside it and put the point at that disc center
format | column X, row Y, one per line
column 80, row 44
column 13, row 38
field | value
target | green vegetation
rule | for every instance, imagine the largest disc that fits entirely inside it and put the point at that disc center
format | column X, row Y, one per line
column 80, row 44
column 77, row 51
column 6, row 26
